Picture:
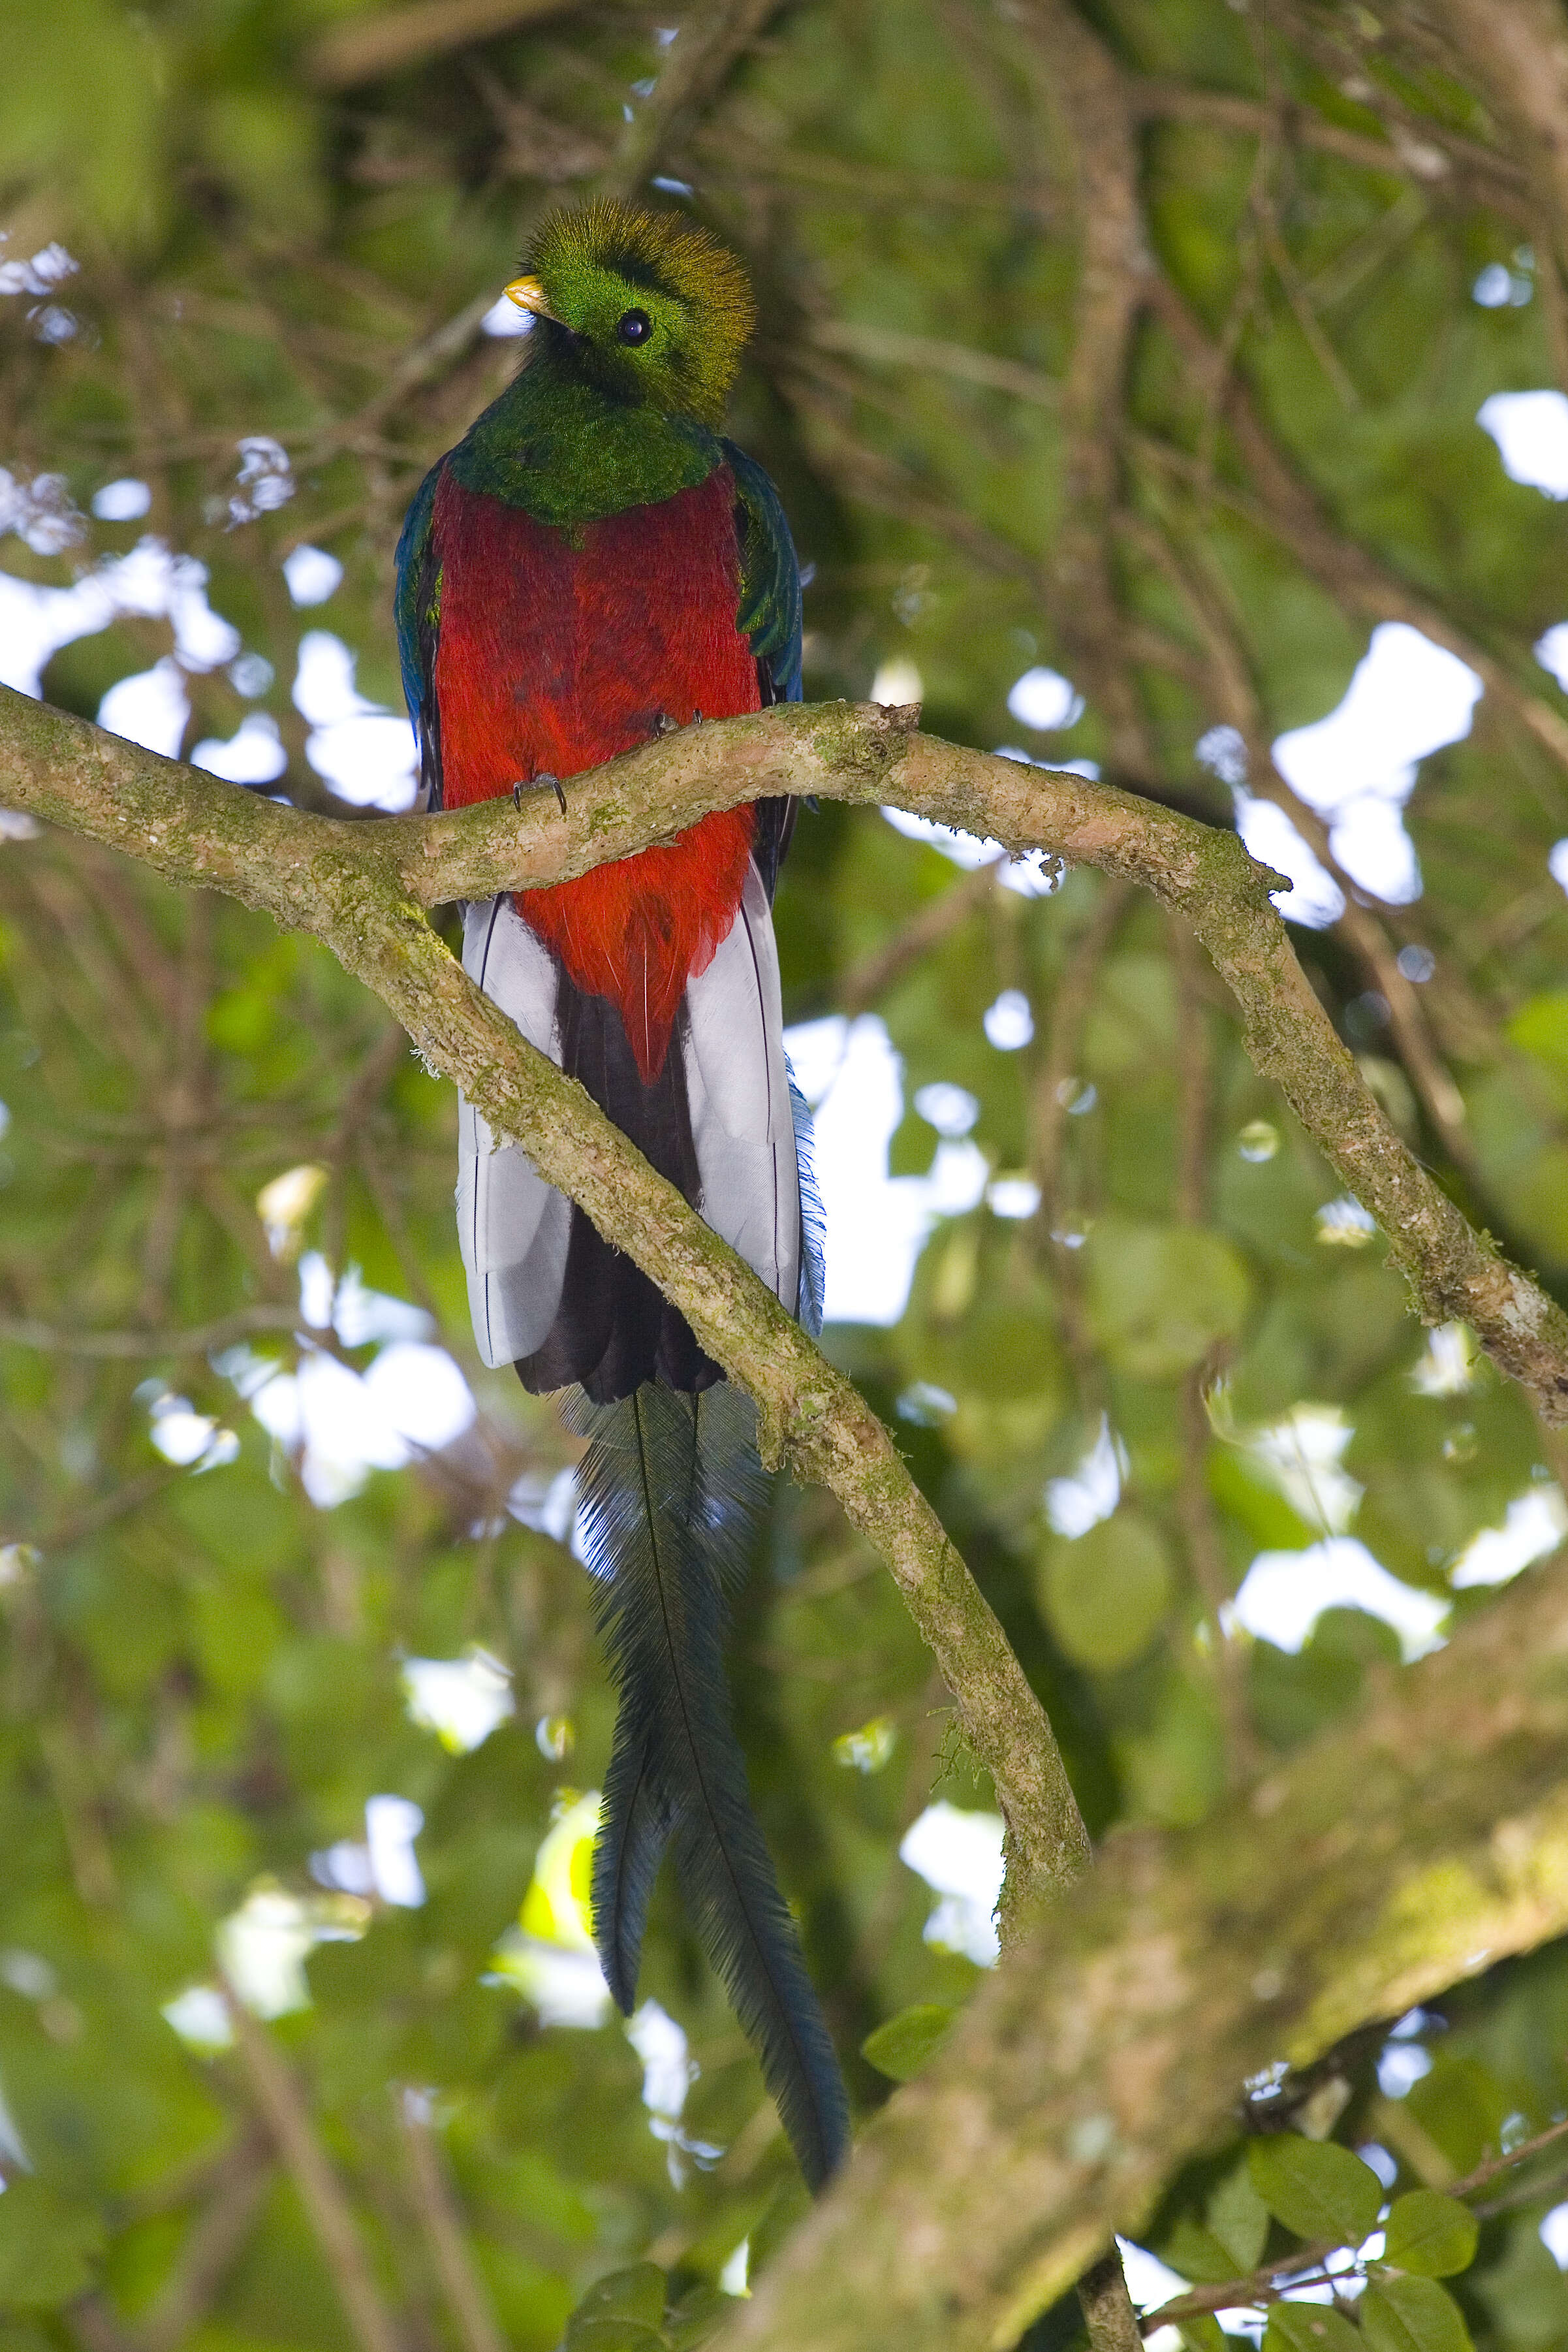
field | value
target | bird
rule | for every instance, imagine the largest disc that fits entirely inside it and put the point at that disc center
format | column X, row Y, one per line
column 592, row 565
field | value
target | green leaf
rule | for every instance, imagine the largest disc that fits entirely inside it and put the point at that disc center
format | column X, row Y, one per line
column 1540, row 1028
column 1308, row 2328
column 1202, row 2333
column 623, row 2312
column 900, row 2047
column 1159, row 1297
column 1433, row 2234
column 1463, row 2105
column 1105, row 1593
column 697, row 2316
column 1198, row 2255
column 1239, row 2219
column 1318, row 2189
column 1412, row 2315
column 46, row 2246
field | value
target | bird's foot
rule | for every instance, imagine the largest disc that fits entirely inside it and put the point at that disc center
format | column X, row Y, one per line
column 519, row 788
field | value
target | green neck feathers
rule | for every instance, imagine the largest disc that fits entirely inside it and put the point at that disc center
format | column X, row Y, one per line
column 641, row 319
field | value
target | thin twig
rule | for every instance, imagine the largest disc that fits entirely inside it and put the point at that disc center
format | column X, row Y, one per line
column 282, row 2106
column 214, row 2244
column 443, row 2224
column 865, row 981
column 201, row 1340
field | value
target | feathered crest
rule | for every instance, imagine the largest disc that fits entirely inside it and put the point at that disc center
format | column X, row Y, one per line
column 662, row 253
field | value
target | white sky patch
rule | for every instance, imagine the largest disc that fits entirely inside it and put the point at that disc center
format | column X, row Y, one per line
column 462, row 1700
column 733, row 2277
column 254, row 754
column 566, row 1988
column 1535, row 1525
column 46, row 269
column 1400, row 2066
column 40, row 512
column 1499, row 288
column 1315, row 897
column 392, row 1824
column 283, row 1205
column 263, row 481
column 1151, row 2282
column 385, row 1865
column 35, row 623
column 342, row 1424
column 545, row 1500
column 1284, row 1593
column 897, row 683
column 1357, row 767
column 420, row 1392
column 150, row 708
column 188, row 1438
column 123, row 501
column 668, row 2072
column 1008, row 1023
column 311, row 575
column 876, row 1224
column 959, row 1856
column 1554, row 2235
column 360, row 1317
column 951, row 1111
column 1045, row 701
column 1013, row 1196
column 366, row 753
column 200, row 2017
column 1029, row 877
column 1079, row 1502
column 1530, row 429
column 1449, row 1365
column 1346, row 1225
column 1302, row 1455
column 263, row 1947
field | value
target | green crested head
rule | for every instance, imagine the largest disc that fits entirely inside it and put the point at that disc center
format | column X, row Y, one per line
column 651, row 309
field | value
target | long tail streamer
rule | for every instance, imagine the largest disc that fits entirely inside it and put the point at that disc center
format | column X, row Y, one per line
column 671, row 1488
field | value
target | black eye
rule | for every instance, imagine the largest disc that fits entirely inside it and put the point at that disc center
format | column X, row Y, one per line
column 634, row 326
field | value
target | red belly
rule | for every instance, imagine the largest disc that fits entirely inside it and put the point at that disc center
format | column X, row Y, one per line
column 558, row 649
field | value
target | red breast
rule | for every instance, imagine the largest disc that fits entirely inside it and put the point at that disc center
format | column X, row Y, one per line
column 561, row 646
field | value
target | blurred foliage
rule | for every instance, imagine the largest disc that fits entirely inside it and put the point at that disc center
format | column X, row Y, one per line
column 227, row 219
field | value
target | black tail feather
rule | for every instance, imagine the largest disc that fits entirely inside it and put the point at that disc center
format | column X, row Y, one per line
column 671, row 1486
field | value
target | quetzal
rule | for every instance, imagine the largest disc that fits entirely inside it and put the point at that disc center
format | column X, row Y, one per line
column 590, row 566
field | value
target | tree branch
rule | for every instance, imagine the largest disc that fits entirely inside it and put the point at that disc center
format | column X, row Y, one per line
column 358, row 887
column 1376, row 1868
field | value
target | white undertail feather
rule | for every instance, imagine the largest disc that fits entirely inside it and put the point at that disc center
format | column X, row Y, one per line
column 513, row 1227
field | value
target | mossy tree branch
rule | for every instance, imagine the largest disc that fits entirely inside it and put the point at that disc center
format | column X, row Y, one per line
column 1381, row 1864
column 359, row 888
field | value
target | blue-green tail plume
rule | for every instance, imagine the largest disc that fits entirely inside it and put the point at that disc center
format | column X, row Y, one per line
column 671, row 1487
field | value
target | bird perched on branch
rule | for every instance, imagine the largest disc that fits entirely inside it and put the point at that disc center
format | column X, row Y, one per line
column 590, row 566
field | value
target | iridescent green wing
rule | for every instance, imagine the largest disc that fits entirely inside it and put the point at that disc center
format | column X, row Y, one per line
column 770, row 579
column 417, row 606
column 770, row 617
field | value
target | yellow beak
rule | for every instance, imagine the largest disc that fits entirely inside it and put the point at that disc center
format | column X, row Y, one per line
column 528, row 295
